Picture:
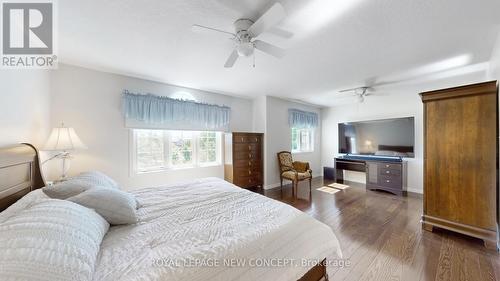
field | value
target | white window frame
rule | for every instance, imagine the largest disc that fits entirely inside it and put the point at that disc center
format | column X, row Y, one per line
column 168, row 162
column 311, row 140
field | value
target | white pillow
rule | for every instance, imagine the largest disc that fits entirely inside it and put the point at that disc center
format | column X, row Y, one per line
column 98, row 178
column 51, row 240
column 78, row 184
column 116, row 206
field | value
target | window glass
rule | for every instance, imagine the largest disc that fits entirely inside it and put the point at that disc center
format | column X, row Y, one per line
column 302, row 140
column 157, row 150
column 150, row 150
column 181, row 148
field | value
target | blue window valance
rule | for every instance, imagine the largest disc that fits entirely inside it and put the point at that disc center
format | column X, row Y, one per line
column 302, row 119
column 153, row 111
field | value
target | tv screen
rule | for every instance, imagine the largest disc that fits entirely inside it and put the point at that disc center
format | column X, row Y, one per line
column 388, row 137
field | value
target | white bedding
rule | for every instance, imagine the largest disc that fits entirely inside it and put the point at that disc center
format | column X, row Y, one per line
column 189, row 231
column 210, row 221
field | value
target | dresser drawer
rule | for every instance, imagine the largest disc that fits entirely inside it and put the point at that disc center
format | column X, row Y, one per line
column 248, row 181
column 388, row 166
column 390, row 181
column 244, row 147
column 246, row 139
column 247, row 172
column 247, row 155
column 390, row 172
column 247, row 163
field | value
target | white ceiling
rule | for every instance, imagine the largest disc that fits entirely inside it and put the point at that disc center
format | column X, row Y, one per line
column 337, row 43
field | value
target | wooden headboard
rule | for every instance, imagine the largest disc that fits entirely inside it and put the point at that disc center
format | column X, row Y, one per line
column 19, row 173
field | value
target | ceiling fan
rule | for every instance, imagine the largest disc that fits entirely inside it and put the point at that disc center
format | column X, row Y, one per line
column 359, row 92
column 246, row 32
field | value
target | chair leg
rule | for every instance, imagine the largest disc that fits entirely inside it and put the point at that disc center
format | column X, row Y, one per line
column 310, row 185
column 281, row 187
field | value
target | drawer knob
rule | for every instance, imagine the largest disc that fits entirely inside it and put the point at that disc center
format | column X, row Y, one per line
column 387, row 166
column 249, row 147
column 249, row 155
column 387, row 172
column 387, row 181
column 249, row 163
column 249, row 172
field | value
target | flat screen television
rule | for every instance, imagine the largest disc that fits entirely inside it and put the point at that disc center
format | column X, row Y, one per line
column 387, row 137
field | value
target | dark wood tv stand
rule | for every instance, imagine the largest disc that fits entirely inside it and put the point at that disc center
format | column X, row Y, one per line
column 381, row 174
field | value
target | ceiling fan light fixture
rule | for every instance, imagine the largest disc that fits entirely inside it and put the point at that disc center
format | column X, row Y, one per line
column 245, row 49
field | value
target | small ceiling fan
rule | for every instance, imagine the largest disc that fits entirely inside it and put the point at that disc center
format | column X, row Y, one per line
column 246, row 32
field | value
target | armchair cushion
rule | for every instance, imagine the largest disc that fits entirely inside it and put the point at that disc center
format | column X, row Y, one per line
column 300, row 175
column 301, row 167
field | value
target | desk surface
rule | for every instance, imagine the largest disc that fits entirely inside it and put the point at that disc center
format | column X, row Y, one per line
column 369, row 158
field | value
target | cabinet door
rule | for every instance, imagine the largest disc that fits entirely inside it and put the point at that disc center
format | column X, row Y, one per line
column 372, row 173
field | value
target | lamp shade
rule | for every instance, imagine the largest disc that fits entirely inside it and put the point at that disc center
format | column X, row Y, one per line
column 63, row 139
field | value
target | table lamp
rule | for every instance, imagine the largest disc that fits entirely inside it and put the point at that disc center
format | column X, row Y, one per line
column 63, row 140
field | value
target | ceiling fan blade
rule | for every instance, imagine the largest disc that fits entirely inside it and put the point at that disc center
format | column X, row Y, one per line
column 269, row 49
column 269, row 19
column 232, row 59
column 348, row 90
column 204, row 29
column 281, row 32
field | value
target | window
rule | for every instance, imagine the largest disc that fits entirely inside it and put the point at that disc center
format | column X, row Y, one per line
column 302, row 140
column 160, row 150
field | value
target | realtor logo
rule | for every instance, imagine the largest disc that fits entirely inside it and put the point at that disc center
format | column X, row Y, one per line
column 28, row 35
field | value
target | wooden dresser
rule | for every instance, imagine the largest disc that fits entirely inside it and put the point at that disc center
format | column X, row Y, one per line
column 244, row 154
column 461, row 160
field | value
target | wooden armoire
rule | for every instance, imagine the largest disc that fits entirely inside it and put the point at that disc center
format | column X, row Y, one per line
column 461, row 160
column 244, row 159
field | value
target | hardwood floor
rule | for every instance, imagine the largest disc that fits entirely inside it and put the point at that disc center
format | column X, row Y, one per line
column 381, row 236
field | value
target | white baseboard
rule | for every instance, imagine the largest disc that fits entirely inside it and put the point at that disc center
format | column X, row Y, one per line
column 414, row 190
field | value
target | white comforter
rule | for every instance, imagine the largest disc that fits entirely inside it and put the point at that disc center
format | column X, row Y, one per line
column 209, row 229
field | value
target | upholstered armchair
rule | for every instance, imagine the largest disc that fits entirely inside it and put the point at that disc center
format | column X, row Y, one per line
column 294, row 171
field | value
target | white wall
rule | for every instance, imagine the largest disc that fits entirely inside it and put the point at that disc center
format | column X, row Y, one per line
column 24, row 101
column 278, row 138
column 90, row 101
column 389, row 102
column 494, row 71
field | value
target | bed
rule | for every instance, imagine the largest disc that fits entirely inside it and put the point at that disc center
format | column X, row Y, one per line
column 204, row 229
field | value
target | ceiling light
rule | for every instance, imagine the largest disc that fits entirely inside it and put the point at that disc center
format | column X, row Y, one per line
column 245, row 49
